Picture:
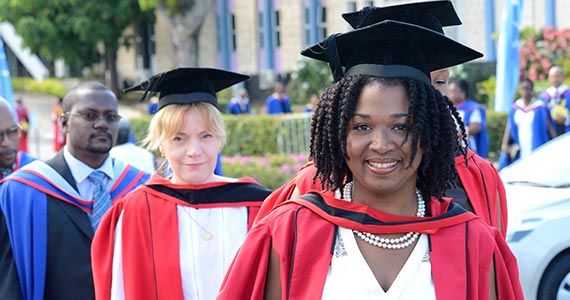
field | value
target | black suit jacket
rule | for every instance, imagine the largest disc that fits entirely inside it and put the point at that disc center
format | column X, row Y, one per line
column 69, row 235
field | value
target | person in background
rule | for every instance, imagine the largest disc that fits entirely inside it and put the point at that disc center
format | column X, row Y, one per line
column 278, row 102
column 557, row 97
column 440, row 80
column 473, row 115
column 24, row 119
column 312, row 102
column 59, row 137
column 152, row 106
column 11, row 159
column 239, row 104
column 389, row 156
column 528, row 126
column 50, row 210
column 174, row 237
column 130, row 153
column 479, row 189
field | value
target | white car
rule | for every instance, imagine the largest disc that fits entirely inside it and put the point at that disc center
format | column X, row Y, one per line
column 538, row 197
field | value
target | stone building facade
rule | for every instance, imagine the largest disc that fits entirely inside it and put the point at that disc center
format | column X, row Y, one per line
column 294, row 24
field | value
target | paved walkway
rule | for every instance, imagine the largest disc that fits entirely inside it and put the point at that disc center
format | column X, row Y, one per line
column 40, row 137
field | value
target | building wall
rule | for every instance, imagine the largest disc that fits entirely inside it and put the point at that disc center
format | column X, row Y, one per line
column 472, row 31
column 292, row 34
column 248, row 54
column 165, row 55
column 247, row 50
column 208, row 43
column 126, row 63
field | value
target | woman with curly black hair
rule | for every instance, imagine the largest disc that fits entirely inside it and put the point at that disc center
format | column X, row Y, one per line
column 428, row 110
column 478, row 187
column 384, row 140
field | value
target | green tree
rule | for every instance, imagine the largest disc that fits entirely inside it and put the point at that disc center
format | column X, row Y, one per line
column 310, row 77
column 81, row 32
column 185, row 18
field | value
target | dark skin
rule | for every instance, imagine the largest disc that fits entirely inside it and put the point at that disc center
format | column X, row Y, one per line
column 90, row 141
column 376, row 136
column 8, row 147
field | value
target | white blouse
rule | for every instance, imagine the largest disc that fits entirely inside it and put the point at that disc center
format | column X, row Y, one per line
column 350, row 277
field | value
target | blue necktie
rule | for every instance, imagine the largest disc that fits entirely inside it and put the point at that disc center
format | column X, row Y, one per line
column 101, row 198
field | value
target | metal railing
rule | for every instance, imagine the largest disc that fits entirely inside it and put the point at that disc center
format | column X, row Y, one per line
column 293, row 133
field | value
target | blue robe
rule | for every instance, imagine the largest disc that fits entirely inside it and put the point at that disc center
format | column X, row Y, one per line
column 276, row 106
column 234, row 108
column 547, row 98
column 481, row 139
column 539, row 130
column 26, row 218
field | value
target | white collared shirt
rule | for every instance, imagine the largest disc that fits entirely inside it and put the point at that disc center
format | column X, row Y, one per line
column 80, row 171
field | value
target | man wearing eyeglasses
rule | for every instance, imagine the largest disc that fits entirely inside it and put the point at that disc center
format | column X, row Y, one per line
column 10, row 158
column 50, row 210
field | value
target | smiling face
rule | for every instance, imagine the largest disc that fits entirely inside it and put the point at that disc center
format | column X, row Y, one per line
column 377, row 148
column 192, row 151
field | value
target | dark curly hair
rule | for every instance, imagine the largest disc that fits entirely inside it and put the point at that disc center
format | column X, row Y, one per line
column 434, row 119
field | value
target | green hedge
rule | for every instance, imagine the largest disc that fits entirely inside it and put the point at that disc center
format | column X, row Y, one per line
column 49, row 86
column 257, row 135
column 247, row 135
column 496, row 122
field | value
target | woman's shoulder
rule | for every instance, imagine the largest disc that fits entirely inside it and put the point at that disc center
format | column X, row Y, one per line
column 288, row 210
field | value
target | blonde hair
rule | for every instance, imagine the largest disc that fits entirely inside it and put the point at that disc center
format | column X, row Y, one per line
column 170, row 120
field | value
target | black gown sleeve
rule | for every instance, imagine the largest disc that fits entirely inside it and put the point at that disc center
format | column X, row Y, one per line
column 9, row 282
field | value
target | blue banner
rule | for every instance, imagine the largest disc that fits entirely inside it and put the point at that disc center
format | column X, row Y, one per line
column 5, row 85
column 508, row 55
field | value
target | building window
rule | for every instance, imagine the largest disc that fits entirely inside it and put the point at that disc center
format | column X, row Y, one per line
column 276, row 29
column 370, row 3
column 307, row 26
column 260, row 29
column 233, row 41
column 321, row 24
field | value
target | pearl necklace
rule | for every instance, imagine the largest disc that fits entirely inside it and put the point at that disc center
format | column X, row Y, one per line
column 388, row 243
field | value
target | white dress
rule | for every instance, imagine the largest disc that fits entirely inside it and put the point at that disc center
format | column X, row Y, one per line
column 350, row 277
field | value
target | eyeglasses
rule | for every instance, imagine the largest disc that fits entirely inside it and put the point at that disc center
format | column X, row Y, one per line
column 90, row 116
column 12, row 133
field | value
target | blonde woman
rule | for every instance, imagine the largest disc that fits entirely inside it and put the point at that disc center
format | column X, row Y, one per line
column 175, row 237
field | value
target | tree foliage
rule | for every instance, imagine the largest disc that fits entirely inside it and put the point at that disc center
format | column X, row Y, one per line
column 185, row 18
column 173, row 7
column 310, row 77
column 80, row 31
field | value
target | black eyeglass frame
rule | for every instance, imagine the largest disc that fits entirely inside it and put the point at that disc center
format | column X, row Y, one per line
column 12, row 132
column 92, row 117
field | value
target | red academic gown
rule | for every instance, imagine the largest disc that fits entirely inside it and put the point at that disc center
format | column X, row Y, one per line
column 484, row 189
column 150, row 233
column 302, row 233
column 479, row 177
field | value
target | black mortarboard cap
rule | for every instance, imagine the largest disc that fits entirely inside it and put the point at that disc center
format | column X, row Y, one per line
column 390, row 49
column 429, row 14
column 188, row 85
